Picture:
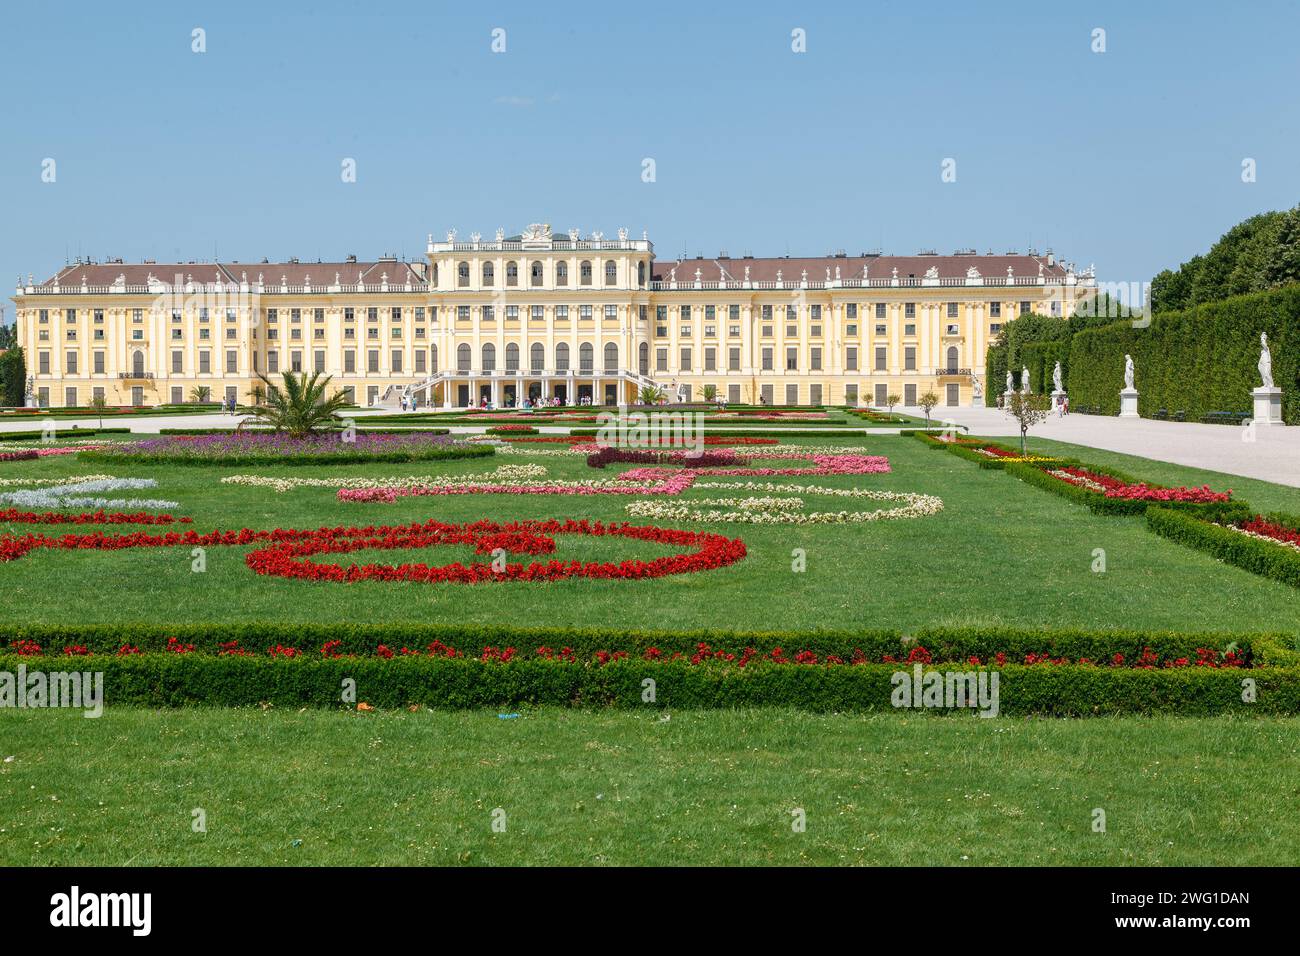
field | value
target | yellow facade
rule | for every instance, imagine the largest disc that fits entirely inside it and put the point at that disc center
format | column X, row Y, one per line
column 536, row 315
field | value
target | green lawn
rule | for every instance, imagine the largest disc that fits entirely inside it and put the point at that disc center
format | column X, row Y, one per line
column 1000, row 552
column 714, row 787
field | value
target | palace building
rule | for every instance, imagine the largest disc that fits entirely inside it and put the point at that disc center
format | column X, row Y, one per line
column 537, row 315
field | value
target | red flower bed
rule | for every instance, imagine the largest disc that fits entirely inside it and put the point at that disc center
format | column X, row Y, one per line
column 1114, row 488
column 286, row 550
column 14, row 516
column 1259, row 525
column 18, row 456
column 717, row 440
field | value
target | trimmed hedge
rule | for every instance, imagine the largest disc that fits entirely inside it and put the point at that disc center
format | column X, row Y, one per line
column 175, row 680
column 1200, row 360
column 954, row 644
column 64, row 432
column 1275, row 561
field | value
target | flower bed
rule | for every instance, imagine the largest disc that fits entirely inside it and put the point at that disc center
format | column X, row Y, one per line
column 247, row 448
column 504, row 474
column 1114, row 488
column 772, row 510
column 83, row 494
column 19, row 456
column 823, row 464
column 608, row 455
column 18, row 516
column 285, row 552
column 666, row 484
column 512, row 430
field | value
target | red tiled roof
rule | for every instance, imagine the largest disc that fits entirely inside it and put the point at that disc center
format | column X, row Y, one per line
column 272, row 273
column 878, row 267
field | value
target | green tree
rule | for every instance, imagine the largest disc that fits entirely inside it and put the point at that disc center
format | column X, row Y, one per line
column 892, row 399
column 650, row 394
column 13, row 377
column 301, row 406
column 99, row 405
column 200, row 393
column 1028, row 411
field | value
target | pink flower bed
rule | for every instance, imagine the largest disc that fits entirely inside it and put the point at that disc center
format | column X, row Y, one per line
column 825, row 465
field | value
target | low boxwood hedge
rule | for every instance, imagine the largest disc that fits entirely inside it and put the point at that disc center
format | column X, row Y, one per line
column 64, row 433
column 944, row 644
column 1206, row 533
column 176, row 680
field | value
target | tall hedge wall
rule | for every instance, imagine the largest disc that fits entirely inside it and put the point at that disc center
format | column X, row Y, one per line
column 1199, row 360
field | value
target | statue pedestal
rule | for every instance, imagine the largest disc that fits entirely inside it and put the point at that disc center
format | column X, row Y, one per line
column 1058, row 398
column 1268, row 406
column 1006, row 399
column 1128, row 403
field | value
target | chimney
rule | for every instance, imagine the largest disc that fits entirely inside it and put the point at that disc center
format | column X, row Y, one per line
column 1051, row 258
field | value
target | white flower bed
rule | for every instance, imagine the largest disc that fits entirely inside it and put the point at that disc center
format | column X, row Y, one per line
column 769, row 510
column 37, row 482
column 83, row 494
column 505, row 474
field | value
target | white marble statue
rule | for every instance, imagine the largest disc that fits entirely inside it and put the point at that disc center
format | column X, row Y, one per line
column 1024, row 379
column 1056, row 378
column 1128, row 372
column 1011, row 382
column 976, row 388
column 1265, row 361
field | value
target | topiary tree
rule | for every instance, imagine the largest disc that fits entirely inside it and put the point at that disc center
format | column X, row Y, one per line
column 927, row 402
column 1028, row 410
column 892, row 399
column 301, row 406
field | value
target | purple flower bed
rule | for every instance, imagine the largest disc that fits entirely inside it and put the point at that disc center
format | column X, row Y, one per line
column 254, row 448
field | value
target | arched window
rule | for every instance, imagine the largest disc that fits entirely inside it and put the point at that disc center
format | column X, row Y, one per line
column 489, row 273
column 561, row 273
column 137, row 363
column 463, row 357
column 433, row 358
column 489, row 357
column 462, row 275
column 954, row 357
column 537, row 357
column 640, row 273
column 512, row 357
column 562, row 357
column 643, row 358
column 611, row 272
column 535, row 273
column 584, row 272
column 512, row 273
column 586, row 358
column 611, row 357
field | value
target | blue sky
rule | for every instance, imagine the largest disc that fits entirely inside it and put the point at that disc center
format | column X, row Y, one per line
column 1129, row 158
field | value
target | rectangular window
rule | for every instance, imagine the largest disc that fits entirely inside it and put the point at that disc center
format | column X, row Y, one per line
column 733, row 394
column 537, row 312
column 99, row 316
column 205, row 363
column 851, row 395
column 815, row 362
column 419, row 361
column 349, row 361
column 584, row 313
column 99, row 363
column 882, row 329
column 882, row 395
column 318, row 360
column 562, row 313
column 295, row 361
column 880, row 310
column 909, row 310
column 70, row 396
column 952, row 310
column 396, row 367
column 851, row 359
column 995, row 328
column 178, row 361
column 767, row 359
column 611, row 311
column 686, row 360
column 995, row 310
column 395, row 313
column 909, row 358
column 816, row 313
column 72, row 363
column 710, row 359
column 791, row 359
column 792, row 394
column 372, row 360
column 661, row 360
column 1024, row 308
column 882, row 358
column 909, row 394
column 814, row 394
column 733, row 360
column 318, row 315
column 232, row 360
column 851, row 310
column 766, row 393
column 512, row 313
column 178, row 394
column 349, row 314
column 767, row 313
column 909, row 328
column 462, row 313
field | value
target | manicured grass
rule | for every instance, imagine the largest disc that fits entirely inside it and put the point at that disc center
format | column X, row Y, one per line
column 617, row 788
column 1001, row 552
